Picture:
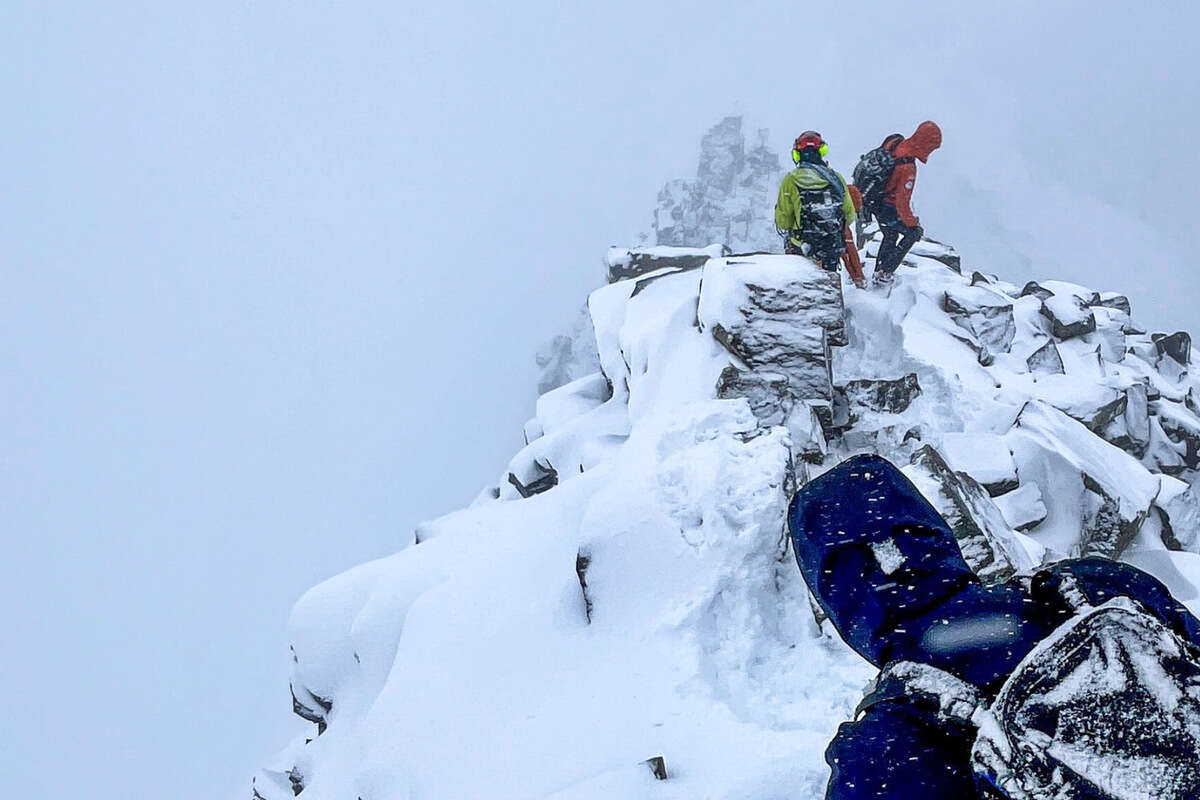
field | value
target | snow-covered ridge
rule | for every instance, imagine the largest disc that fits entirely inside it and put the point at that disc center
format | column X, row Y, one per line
column 619, row 615
column 626, row 591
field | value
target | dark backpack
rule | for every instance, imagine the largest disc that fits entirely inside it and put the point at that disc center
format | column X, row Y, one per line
column 822, row 218
column 873, row 172
column 1107, row 707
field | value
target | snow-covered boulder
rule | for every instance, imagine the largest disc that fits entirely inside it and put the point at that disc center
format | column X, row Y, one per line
column 984, row 536
column 624, row 263
column 1069, row 316
column 1046, row 360
column 937, row 251
column 1023, row 508
column 986, row 314
column 1117, row 491
column 775, row 313
column 1176, row 346
column 880, row 395
column 985, row 457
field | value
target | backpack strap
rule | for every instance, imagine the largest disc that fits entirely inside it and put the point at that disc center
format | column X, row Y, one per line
column 831, row 178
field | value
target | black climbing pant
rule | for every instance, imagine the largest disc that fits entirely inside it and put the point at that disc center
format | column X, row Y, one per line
column 898, row 239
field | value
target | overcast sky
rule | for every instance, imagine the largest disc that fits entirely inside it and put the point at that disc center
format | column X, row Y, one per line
column 274, row 273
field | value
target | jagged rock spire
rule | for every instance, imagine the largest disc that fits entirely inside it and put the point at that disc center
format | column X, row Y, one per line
column 730, row 201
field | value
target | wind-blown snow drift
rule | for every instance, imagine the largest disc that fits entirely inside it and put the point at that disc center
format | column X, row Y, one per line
column 626, row 591
column 641, row 601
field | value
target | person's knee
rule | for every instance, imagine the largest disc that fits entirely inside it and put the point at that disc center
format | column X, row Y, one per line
column 893, row 752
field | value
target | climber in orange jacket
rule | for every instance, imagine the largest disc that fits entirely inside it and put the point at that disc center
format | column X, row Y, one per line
column 900, row 227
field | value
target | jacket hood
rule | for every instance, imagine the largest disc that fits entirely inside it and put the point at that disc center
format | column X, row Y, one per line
column 926, row 139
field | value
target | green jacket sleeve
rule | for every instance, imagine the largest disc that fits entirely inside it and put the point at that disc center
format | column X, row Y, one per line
column 787, row 207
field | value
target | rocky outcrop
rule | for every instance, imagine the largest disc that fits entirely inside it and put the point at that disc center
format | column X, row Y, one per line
column 1176, row 346
column 730, row 201
column 767, row 392
column 986, row 315
column 985, row 457
column 624, row 263
column 1046, row 360
column 777, row 314
column 1118, row 490
column 1023, row 508
column 880, row 395
column 1068, row 316
column 983, row 535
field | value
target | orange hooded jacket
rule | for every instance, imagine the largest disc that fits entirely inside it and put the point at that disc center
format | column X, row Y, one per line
column 899, row 189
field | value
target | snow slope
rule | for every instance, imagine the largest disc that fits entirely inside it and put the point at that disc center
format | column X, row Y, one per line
column 623, row 605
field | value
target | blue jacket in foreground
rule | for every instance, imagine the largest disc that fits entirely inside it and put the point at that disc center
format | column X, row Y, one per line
column 886, row 569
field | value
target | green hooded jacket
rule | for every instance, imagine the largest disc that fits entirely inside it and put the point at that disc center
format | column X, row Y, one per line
column 787, row 207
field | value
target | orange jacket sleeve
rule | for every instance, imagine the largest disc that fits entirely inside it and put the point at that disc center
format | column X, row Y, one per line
column 899, row 192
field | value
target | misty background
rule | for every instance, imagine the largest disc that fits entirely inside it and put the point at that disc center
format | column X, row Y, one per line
column 274, row 275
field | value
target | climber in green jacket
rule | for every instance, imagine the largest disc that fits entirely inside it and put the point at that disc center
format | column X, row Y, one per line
column 815, row 207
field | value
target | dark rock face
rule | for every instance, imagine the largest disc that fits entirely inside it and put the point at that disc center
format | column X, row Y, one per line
column 802, row 355
column 975, row 520
column 767, row 393
column 546, row 479
column 884, row 396
column 1181, row 428
column 1046, row 360
column 583, row 560
column 633, row 263
column 658, row 767
column 1176, row 346
column 1037, row 290
column 310, row 707
column 1129, row 429
column 937, row 251
column 1098, row 418
column 783, row 328
column 985, row 316
column 1068, row 316
column 1181, row 520
column 1105, row 533
column 1118, row 301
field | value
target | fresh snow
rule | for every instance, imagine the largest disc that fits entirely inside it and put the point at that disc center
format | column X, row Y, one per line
column 644, row 602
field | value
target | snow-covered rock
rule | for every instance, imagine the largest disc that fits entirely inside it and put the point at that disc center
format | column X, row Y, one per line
column 984, row 536
column 625, row 263
column 1046, row 360
column 732, row 198
column 986, row 314
column 985, row 457
column 1069, row 316
column 1023, row 508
